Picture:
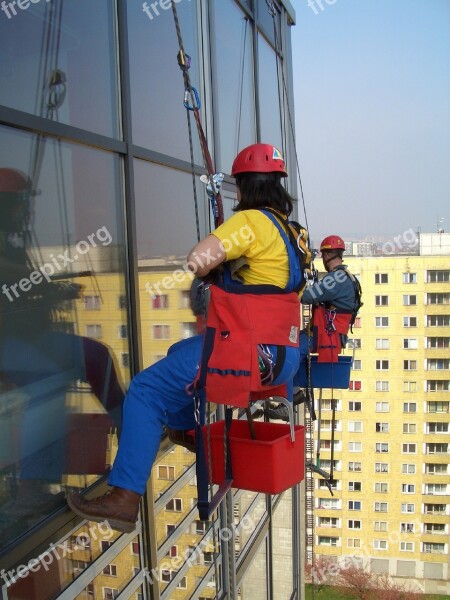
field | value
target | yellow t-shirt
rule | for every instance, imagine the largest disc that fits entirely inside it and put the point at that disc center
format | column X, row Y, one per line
column 252, row 235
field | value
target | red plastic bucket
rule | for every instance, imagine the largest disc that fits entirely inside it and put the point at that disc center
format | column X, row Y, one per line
column 270, row 464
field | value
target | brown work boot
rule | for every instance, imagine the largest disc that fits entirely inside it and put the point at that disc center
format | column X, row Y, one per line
column 118, row 506
column 182, row 438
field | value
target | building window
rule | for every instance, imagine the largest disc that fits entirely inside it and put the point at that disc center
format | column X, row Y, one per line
column 381, row 467
column 410, row 365
column 355, row 446
column 354, row 486
column 438, row 320
column 160, row 302
column 409, row 299
column 357, row 364
column 381, row 487
column 353, row 524
column 382, row 365
column 432, row 548
column 382, row 427
column 409, row 321
column 175, row 505
column 110, row 593
column 407, row 546
column 357, row 323
column 436, row 489
column 409, row 427
column 355, row 343
column 161, row 332
column 410, row 386
column 440, row 298
column 409, row 448
column 436, row 427
column 380, row 544
column 435, row 509
column 381, row 321
column 354, row 505
column 354, row 406
column 382, row 448
column 185, row 299
column 409, row 277
column 408, row 469
column 381, row 507
column 434, row 528
column 441, row 276
column 406, row 507
column 437, row 364
column 92, row 302
column 382, row 407
column 173, row 552
column 438, row 342
column 170, row 528
column 410, row 344
column 188, row 330
column 381, row 300
column 436, row 448
column 408, row 488
column 166, row 472
column 125, row 359
column 353, row 543
column 382, row 344
column 123, row 332
column 382, row 386
column 355, row 386
column 355, row 426
column 122, row 302
column 354, row 467
column 94, row 331
column 380, row 526
column 439, row 406
column 110, row 570
column 436, row 385
column 381, row 278
column 328, row 541
column 436, row 469
column 406, row 527
column 409, row 407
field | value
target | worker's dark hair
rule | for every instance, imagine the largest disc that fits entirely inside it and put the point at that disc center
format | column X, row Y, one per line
column 259, row 190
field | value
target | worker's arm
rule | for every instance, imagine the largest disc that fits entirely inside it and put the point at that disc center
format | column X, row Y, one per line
column 206, row 256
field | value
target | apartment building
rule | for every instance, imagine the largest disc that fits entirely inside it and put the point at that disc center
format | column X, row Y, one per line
column 391, row 502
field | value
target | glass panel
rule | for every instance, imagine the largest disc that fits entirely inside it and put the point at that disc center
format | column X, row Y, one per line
column 54, row 569
column 61, row 268
column 254, row 584
column 234, row 71
column 282, row 548
column 269, row 99
column 47, row 67
column 156, row 80
column 247, row 517
column 265, row 20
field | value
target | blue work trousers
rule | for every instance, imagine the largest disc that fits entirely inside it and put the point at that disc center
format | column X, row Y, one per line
column 158, row 397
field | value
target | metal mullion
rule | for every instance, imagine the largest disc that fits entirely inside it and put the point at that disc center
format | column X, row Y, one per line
column 164, row 160
column 67, row 133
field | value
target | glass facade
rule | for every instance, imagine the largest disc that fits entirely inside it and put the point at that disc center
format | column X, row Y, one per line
column 98, row 207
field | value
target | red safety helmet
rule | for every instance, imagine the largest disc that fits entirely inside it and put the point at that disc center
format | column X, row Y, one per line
column 13, row 181
column 332, row 242
column 259, row 158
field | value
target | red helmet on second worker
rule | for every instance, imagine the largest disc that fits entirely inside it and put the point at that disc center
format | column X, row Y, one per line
column 259, row 158
column 332, row 242
column 13, row 181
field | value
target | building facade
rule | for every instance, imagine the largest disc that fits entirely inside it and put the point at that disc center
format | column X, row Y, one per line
column 391, row 503
column 92, row 118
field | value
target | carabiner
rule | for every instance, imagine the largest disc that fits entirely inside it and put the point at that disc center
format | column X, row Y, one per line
column 197, row 104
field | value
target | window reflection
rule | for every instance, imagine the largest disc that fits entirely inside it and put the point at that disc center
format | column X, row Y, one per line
column 61, row 270
column 157, row 90
column 47, row 65
column 235, row 96
column 269, row 98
